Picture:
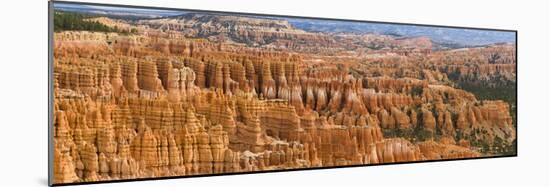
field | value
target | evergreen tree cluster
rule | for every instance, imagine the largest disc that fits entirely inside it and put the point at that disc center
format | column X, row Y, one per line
column 64, row 21
column 505, row 92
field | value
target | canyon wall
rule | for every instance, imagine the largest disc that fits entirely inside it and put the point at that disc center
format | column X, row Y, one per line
column 156, row 104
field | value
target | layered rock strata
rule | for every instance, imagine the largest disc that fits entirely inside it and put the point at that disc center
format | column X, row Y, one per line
column 265, row 97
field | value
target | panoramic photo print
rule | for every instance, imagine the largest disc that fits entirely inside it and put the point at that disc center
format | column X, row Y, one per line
column 144, row 93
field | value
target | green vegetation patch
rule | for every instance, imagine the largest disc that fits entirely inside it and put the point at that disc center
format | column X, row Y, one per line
column 505, row 92
column 69, row 21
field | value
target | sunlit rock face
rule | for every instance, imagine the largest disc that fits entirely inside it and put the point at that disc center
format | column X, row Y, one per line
column 205, row 94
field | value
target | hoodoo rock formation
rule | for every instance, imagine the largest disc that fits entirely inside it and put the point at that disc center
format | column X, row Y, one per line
column 202, row 94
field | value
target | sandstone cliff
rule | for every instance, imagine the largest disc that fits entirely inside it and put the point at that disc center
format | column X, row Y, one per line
column 162, row 103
